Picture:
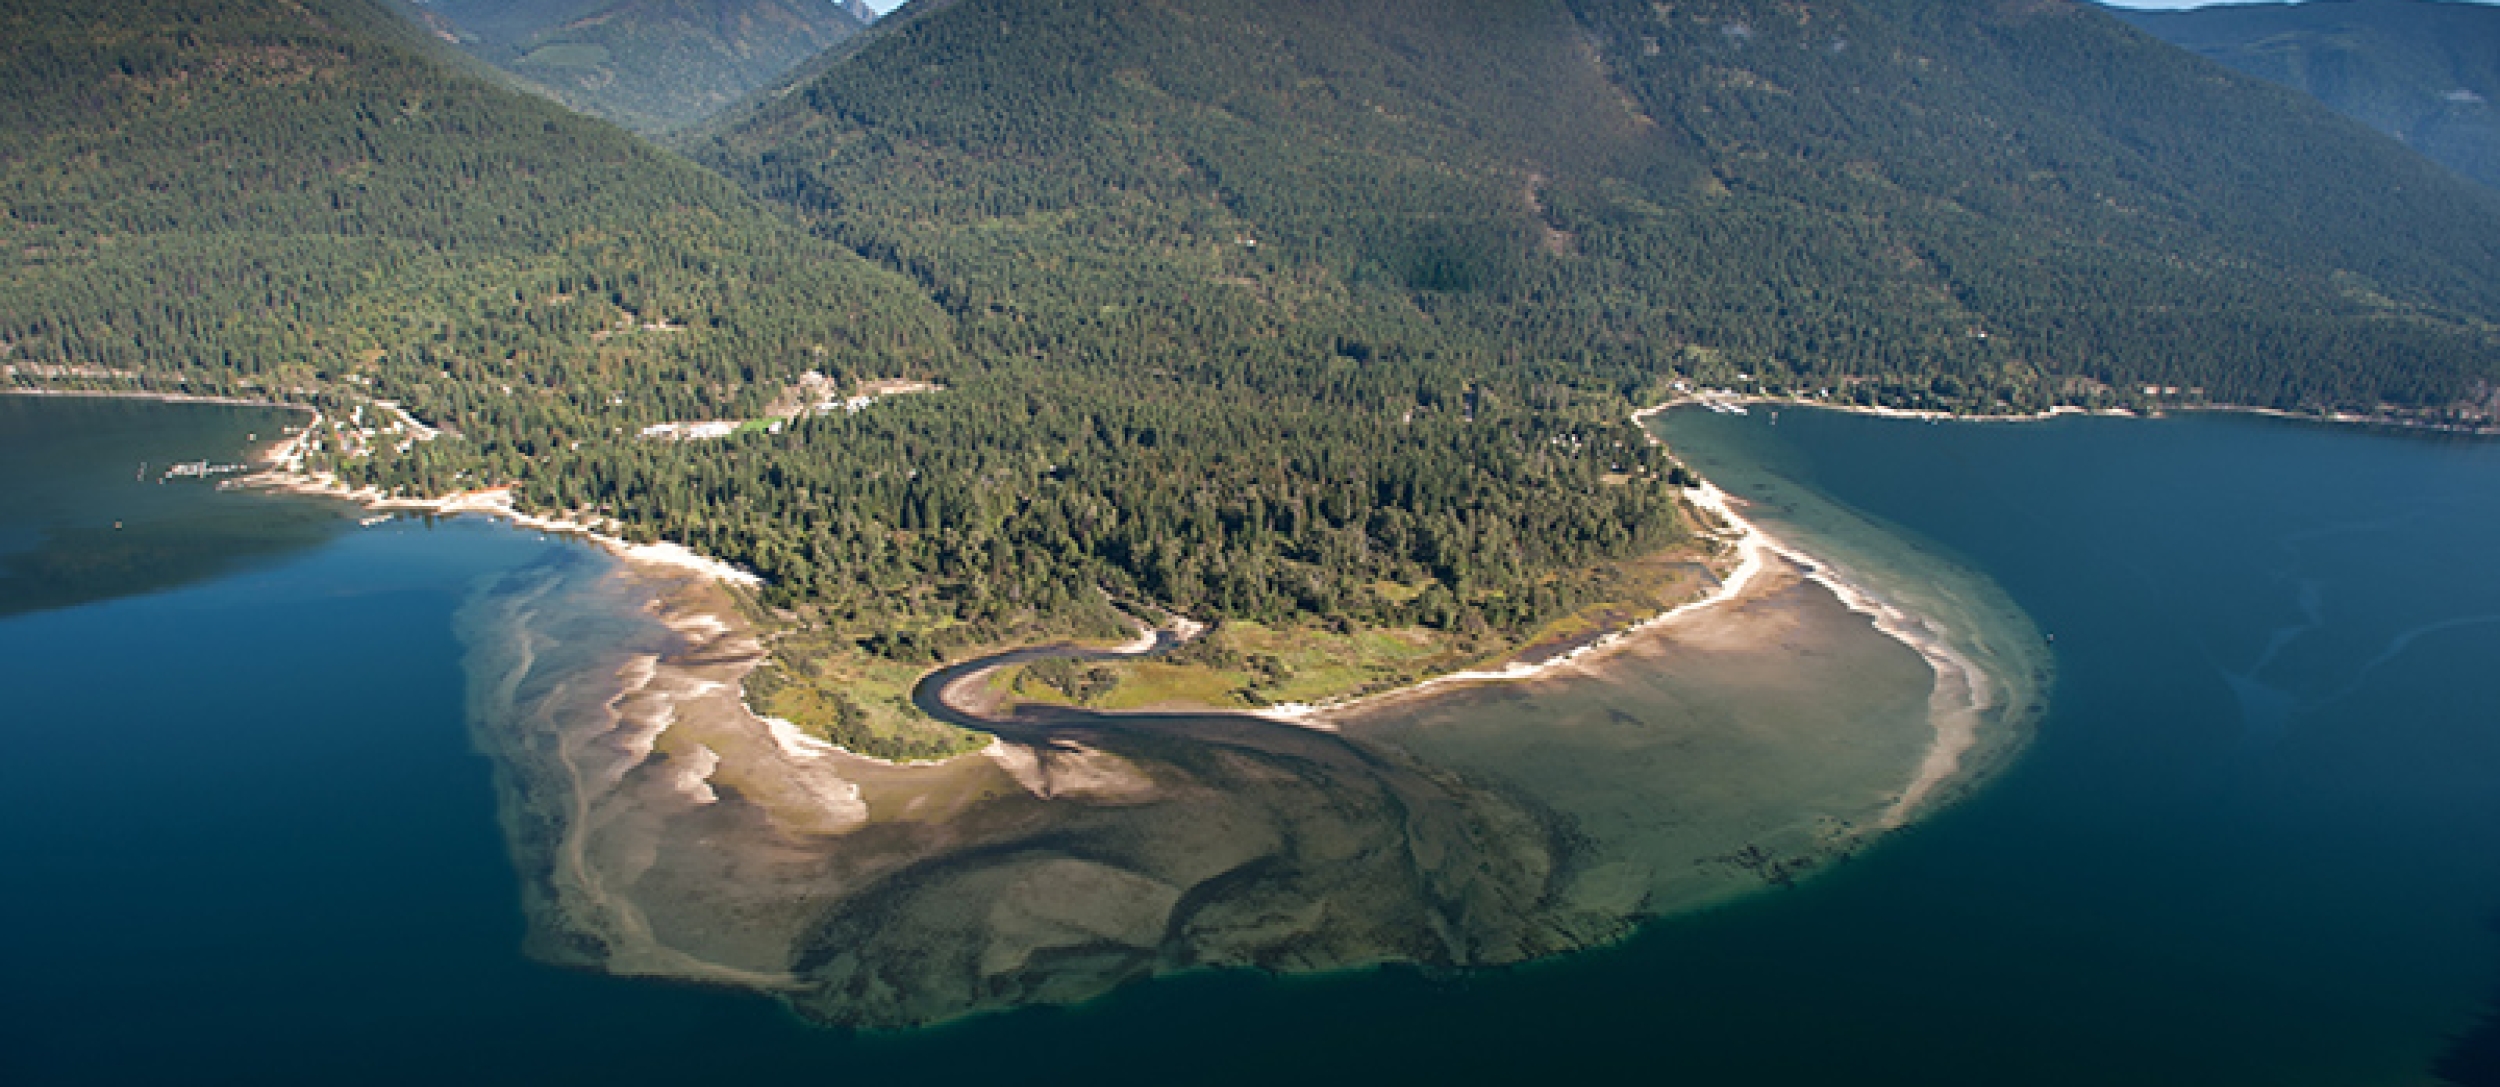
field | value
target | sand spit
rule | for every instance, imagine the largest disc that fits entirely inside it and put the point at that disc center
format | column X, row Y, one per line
column 1962, row 701
column 1963, row 695
column 1741, row 746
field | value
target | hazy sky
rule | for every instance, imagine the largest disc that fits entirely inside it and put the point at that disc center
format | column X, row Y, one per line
column 2173, row 5
column 884, row 6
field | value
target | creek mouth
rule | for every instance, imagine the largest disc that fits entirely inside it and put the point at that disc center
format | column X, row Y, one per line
column 930, row 695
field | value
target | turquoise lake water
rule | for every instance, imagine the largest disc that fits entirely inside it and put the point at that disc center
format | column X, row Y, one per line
column 2256, row 838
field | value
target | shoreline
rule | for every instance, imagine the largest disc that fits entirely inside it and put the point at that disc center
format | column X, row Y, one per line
column 2340, row 418
column 169, row 398
column 1958, row 721
column 493, row 502
column 2334, row 418
column 1706, row 397
column 1747, row 541
column 1962, row 695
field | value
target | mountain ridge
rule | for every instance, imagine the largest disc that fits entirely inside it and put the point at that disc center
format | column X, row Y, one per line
column 2424, row 72
column 1839, row 191
column 650, row 65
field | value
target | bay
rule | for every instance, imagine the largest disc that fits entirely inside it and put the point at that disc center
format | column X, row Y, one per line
column 2251, row 841
column 93, row 514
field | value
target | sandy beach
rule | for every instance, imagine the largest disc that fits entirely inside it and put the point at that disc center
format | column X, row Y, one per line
column 491, row 502
column 1747, row 544
column 1752, row 400
column 1963, row 694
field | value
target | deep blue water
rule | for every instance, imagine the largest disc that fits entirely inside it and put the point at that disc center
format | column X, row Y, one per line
column 2257, row 839
column 91, row 514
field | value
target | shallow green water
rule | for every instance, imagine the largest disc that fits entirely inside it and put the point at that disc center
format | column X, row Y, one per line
column 2252, row 842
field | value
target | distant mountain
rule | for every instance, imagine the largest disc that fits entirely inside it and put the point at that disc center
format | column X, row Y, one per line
column 2005, row 201
column 2423, row 71
column 650, row 65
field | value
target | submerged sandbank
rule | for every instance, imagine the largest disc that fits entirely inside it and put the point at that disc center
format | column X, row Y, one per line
column 1993, row 668
column 667, row 831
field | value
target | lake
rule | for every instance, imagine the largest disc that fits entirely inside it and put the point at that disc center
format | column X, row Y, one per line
column 2253, row 838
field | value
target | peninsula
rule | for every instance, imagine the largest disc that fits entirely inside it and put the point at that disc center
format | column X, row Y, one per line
column 1079, row 849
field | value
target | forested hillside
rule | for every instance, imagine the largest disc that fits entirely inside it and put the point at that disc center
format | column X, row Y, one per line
column 2424, row 71
column 257, row 195
column 1915, row 201
column 650, row 65
column 264, row 198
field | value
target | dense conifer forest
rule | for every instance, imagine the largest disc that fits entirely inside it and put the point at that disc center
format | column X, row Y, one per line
column 1973, row 204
